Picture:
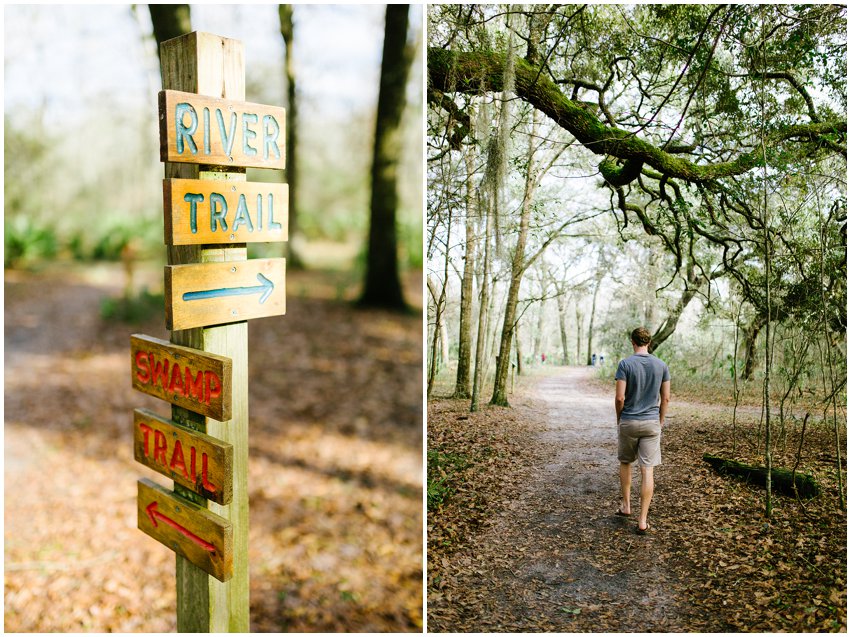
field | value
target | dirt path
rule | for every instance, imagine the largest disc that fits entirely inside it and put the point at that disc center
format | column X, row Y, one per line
column 558, row 558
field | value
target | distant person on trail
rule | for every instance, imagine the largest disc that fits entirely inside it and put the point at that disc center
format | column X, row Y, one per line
column 642, row 392
column 593, row 360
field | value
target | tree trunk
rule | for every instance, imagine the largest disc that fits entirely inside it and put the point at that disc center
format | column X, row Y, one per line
column 782, row 479
column 518, row 351
column 539, row 332
column 169, row 21
column 593, row 310
column 481, row 335
column 579, row 318
column 562, row 328
column 438, row 297
column 285, row 14
column 518, row 267
column 751, row 334
column 383, row 287
column 670, row 325
column 465, row 329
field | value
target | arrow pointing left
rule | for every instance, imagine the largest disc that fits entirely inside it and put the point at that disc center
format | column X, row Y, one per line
column 153, row 514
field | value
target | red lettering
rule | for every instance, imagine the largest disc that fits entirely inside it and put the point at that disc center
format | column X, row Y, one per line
column 176, row 380
column 192, row 462
column 196, row 387
column 209, row 487
column 146, row 431
column 144, row 370
column 160, row 447
column 177, row 459
column 212, row 392
column 160, row 371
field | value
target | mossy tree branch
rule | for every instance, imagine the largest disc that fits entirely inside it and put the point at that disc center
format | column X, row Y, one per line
column 475, row 72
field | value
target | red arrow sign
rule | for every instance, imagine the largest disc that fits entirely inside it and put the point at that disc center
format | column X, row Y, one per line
column 153, row 514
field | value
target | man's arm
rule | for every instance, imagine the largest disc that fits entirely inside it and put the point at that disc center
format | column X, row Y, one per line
column 664, row 398
column 620, row 397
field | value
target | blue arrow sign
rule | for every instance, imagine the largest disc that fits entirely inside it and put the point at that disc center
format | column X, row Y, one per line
column 266, row 287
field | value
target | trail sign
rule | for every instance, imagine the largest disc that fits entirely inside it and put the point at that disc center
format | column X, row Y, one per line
column 186, row 377
column 214, row 293
column 197, row 461
column 200, row 211
column 203, row 538
column 205, row 130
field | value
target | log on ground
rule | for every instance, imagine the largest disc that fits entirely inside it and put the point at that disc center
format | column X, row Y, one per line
column 781, row 479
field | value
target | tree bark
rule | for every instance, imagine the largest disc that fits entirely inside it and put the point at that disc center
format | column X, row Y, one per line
column 518, row 350
column 169, row 21
column 562, row 328
column 285, row 15
column 465, row 328
column 782, row 479
column 439, row 299
column 383, row 287
column 749, row 346
column 481, row 335
column 518, row 267
column 593, row 310
column 579, row 318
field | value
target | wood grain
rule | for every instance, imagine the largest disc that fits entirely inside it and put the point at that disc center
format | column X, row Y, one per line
column 246, row 212
column 151, row 357
column 206, row 539
column 197, row 129
column 197, row 461
column 218, row 293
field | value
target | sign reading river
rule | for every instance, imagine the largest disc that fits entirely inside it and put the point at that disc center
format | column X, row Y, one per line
column 205, row 130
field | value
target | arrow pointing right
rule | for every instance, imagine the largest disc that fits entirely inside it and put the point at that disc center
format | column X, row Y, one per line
column 153, row 514
column 265, row 289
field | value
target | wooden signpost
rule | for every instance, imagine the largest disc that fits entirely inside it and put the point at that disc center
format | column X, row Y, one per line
column 208, row 136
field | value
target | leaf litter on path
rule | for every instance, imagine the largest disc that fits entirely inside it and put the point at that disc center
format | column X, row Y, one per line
column 335, row 466
column 710, row 562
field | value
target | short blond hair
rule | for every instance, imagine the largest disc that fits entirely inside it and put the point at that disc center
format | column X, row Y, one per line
column 641, row 336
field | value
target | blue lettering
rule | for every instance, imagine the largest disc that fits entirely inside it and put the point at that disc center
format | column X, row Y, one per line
column 185, row 132
column 227, row 140
column 247, row 133
column 206, row 131
column 259, row 212
column 193, row 199
column 273, row 225
column 218, row 211
column 271, row 130
column 242, row 217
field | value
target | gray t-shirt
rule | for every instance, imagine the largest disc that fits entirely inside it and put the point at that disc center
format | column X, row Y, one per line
column 644, row 375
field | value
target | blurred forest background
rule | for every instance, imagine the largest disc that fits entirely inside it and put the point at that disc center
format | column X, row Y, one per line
column 335, row 475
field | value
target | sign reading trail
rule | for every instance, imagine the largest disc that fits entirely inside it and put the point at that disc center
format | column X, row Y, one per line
column 197, row 461
column 186, row 377
column 213, row 212
column 203, row 538
column 205, row 130
column 215, row 293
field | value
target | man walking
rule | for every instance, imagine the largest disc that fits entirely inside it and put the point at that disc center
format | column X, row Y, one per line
column 642, row 392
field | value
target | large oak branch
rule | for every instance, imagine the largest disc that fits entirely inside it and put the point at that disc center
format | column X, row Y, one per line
column 482, row 72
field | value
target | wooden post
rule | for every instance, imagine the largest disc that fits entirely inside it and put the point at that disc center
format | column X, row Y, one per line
column 210, row 65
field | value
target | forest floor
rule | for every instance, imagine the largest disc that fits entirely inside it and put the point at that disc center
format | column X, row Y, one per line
column 335, row 461
column 523, row 535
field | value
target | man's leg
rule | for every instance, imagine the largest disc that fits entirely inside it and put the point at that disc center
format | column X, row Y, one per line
column 646, row 495
column 626, row 485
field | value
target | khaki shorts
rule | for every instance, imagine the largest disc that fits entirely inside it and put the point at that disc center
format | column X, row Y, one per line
column 640, row 439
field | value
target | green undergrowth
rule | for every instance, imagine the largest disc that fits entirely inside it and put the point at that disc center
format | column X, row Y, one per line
column 444, row 472
column 136, row 308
